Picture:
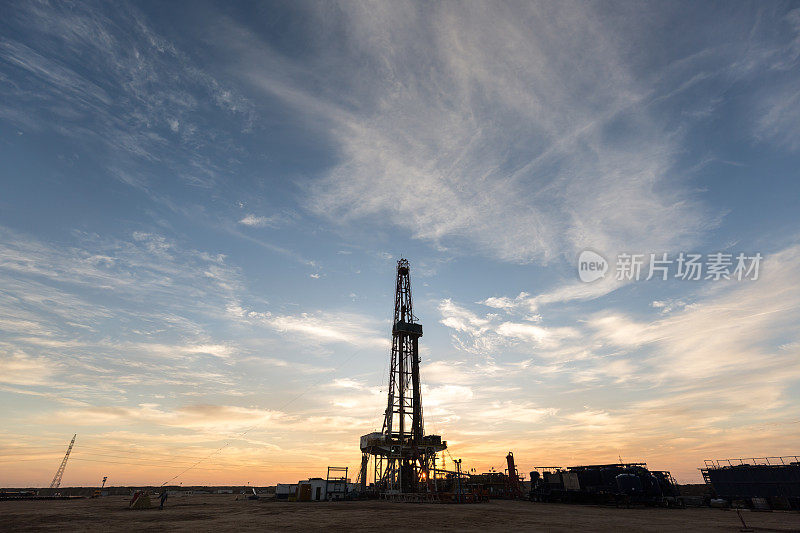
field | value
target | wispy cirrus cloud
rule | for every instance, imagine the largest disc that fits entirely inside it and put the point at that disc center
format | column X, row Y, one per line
column 112, row 314
column 733, row 325
column 491, row 331
column 80, row 62
column 451, row 167
column 563, row 293
column 528, row 158
column 322, row 327
column 723, row 361
column 518, row 132
column 259, row 221
column 776, row 107
column 215, row 419
column 18, row 368
column 145, row 266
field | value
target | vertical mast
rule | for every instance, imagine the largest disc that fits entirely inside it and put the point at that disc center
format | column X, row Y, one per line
column 403, row 419
column 405, row 458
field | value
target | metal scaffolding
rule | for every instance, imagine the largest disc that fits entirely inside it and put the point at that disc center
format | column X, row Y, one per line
column 404, row 457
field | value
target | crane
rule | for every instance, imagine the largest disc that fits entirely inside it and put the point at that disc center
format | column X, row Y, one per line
column 60, row 472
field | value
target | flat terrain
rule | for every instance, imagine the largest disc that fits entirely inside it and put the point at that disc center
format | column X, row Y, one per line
column 226, row 513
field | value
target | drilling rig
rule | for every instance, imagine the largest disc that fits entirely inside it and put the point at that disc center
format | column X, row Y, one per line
column 404, row 457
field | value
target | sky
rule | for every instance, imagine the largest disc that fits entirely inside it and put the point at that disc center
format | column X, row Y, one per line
column 202, row 206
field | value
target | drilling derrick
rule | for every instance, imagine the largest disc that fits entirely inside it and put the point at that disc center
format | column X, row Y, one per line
column 405, row 458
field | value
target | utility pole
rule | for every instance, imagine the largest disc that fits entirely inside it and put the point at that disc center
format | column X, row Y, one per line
column 458, row 474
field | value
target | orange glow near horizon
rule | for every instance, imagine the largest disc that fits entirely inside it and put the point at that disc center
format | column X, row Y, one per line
column 241, row 463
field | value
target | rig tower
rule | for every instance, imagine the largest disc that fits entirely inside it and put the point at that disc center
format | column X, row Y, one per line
column 404, row 457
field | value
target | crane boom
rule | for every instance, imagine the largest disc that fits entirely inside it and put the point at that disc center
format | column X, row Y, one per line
column 60, row 472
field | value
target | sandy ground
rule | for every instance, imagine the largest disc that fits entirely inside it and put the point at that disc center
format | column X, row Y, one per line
column 225, row 513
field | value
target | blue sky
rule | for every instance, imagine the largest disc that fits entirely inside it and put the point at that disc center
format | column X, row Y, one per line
column 202, row 206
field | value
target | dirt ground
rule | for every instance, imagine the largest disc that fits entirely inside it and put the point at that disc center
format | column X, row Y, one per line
column 226, row 513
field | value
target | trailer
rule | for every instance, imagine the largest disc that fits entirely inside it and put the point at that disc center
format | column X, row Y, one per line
column 612, row 484
column 759, row 483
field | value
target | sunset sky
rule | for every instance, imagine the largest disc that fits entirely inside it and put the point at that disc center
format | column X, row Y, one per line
column 202, row 205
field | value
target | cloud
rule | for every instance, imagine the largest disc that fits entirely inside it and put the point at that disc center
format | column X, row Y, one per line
column 324, row 327
column 78, row 64
column 518, row 159
column 520, row 132
column 501, row 413
column 347, row 383
column 542, row 336
column 18, row 368
column 778, row 120
column 484, row 334
column 623, row 379
column 566, row 292
column 504, row 302
column 146, row 268
column 443, row 372
column 261, row 221
column 104, row 317
column 216, row 350
column 200, row 417
column 735, row 324
column 776, row 103
column 475, row 374
column 461, row 319
column 447, row 395
column 668, row 305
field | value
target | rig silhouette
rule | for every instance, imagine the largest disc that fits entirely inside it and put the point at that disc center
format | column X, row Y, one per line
column 404, row 457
